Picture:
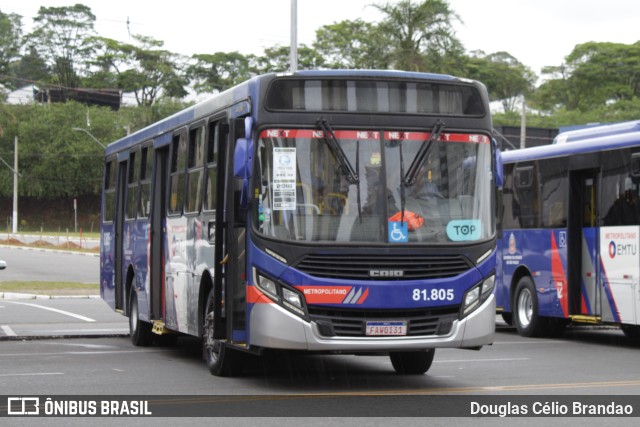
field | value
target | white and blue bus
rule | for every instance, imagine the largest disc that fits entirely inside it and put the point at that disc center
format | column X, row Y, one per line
column 570, row 220
column 320, row 211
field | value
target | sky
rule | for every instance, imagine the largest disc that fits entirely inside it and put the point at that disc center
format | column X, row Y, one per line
column 536, row 32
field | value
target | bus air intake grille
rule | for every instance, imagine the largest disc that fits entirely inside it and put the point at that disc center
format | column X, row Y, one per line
column 351, row 323
column 384, row 267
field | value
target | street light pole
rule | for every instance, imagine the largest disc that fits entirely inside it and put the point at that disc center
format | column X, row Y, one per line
column 15, row 187
column 91, row 135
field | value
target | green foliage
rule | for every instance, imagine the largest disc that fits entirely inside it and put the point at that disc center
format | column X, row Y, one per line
column 62, row 35
column 54, row 160
column 418, row 32
column 10, row 35
column 505, row 77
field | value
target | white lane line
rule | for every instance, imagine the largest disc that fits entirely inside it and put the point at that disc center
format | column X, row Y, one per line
column 79, row 353
column 481, row 360
column 66, row 313
column 34, row 374
column 8, row 331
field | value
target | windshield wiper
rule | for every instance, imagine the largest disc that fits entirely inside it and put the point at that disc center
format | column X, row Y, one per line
column 412, row 174
column 343, row 162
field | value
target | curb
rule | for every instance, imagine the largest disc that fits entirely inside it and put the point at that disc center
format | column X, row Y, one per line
column 18, row 296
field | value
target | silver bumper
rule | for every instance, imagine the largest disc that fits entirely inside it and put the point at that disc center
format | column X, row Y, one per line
column 272, row 326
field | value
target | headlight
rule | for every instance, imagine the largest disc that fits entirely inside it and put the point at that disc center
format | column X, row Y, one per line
column 266, row 285
column 281, row 294
column 477, row 295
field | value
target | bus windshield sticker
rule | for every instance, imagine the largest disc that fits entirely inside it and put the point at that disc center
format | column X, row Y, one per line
column 284, row 178
column 398, row 232
column 463, row 230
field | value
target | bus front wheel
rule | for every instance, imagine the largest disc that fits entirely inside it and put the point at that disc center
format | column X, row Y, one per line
column 525, row 310
column 412, row 362
column 222, row 361
column 140, row 331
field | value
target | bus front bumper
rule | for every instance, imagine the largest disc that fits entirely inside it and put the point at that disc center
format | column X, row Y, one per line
column 271, row 326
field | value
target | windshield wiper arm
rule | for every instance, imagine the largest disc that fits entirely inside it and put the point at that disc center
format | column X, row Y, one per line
column 343, row 162
column 410, row 178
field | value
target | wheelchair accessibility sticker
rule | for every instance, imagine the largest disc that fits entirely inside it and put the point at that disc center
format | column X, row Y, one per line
column 398, row 232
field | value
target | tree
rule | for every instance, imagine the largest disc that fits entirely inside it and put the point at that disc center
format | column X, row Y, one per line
column 278, row 58
column 505, row 77
column 62, row 35
column 10, row 39
column 219, row 71
column 593, row 75
column 352, row 45
column 420, row 34
column 143, row 68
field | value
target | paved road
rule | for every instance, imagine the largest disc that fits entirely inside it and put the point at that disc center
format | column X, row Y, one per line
column 64, row 317
column 49, row 266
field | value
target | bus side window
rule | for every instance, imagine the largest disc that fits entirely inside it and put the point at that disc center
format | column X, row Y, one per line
column 177, row 178
column 146, row 174
column 133, row 175
column 212, row 169
column 195, row 165
column 635, row 165
column 109, row 191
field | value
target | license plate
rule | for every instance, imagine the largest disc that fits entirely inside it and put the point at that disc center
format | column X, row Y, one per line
column 386, row 328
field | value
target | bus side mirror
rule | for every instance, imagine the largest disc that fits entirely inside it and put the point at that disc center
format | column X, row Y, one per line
column 243, row 162
column 498, row 163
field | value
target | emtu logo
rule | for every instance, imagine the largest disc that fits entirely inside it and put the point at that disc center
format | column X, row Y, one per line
column 612, row 249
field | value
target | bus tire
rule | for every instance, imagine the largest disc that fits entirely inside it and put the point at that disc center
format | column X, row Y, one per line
column 508, row 318
column 412, row 362
column 140, row 331
column 525, row 309
column 631, row 331
column 222, row 361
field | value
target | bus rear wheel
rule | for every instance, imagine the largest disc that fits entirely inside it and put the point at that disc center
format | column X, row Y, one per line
column 140, row 331
column 412, row 362
column 222, row 360
column 525, row 310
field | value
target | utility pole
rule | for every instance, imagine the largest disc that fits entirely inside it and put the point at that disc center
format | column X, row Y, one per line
column 15, row 187
column 523, row 124
column 294, row 36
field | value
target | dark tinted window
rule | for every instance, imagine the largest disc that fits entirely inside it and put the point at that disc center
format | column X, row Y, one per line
column 375, row 96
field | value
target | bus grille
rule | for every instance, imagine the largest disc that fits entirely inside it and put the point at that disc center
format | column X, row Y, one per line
column 360, row 267
column 351, row 323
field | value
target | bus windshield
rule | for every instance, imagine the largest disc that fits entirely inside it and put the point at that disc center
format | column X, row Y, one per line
column 302, row 192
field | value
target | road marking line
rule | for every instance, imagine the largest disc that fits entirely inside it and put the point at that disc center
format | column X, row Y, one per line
column 34, row 374
column 8, row 331
column 66, row 313
column 481, row 360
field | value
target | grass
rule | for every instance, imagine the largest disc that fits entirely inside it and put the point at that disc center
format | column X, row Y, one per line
column 50, row 288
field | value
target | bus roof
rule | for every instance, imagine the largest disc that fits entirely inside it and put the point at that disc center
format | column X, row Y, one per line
column 601, row 138
column 594, row 131
column 248, row 89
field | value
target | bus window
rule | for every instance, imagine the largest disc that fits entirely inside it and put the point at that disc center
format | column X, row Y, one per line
column 176, row 184
column 212, row 168
column 109, row 191
column 132, row 187
column 146, row 174
column 195, row 165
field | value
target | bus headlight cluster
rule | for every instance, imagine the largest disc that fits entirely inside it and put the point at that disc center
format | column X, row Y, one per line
column 281, row 294
column 477, row 295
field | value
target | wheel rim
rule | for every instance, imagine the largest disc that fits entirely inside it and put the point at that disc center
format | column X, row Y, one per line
column 525, row 308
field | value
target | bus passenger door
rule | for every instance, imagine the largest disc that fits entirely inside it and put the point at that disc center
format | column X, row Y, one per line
column 235, row 244
column 158, row 233
column 583, row 240
column 119, row 276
